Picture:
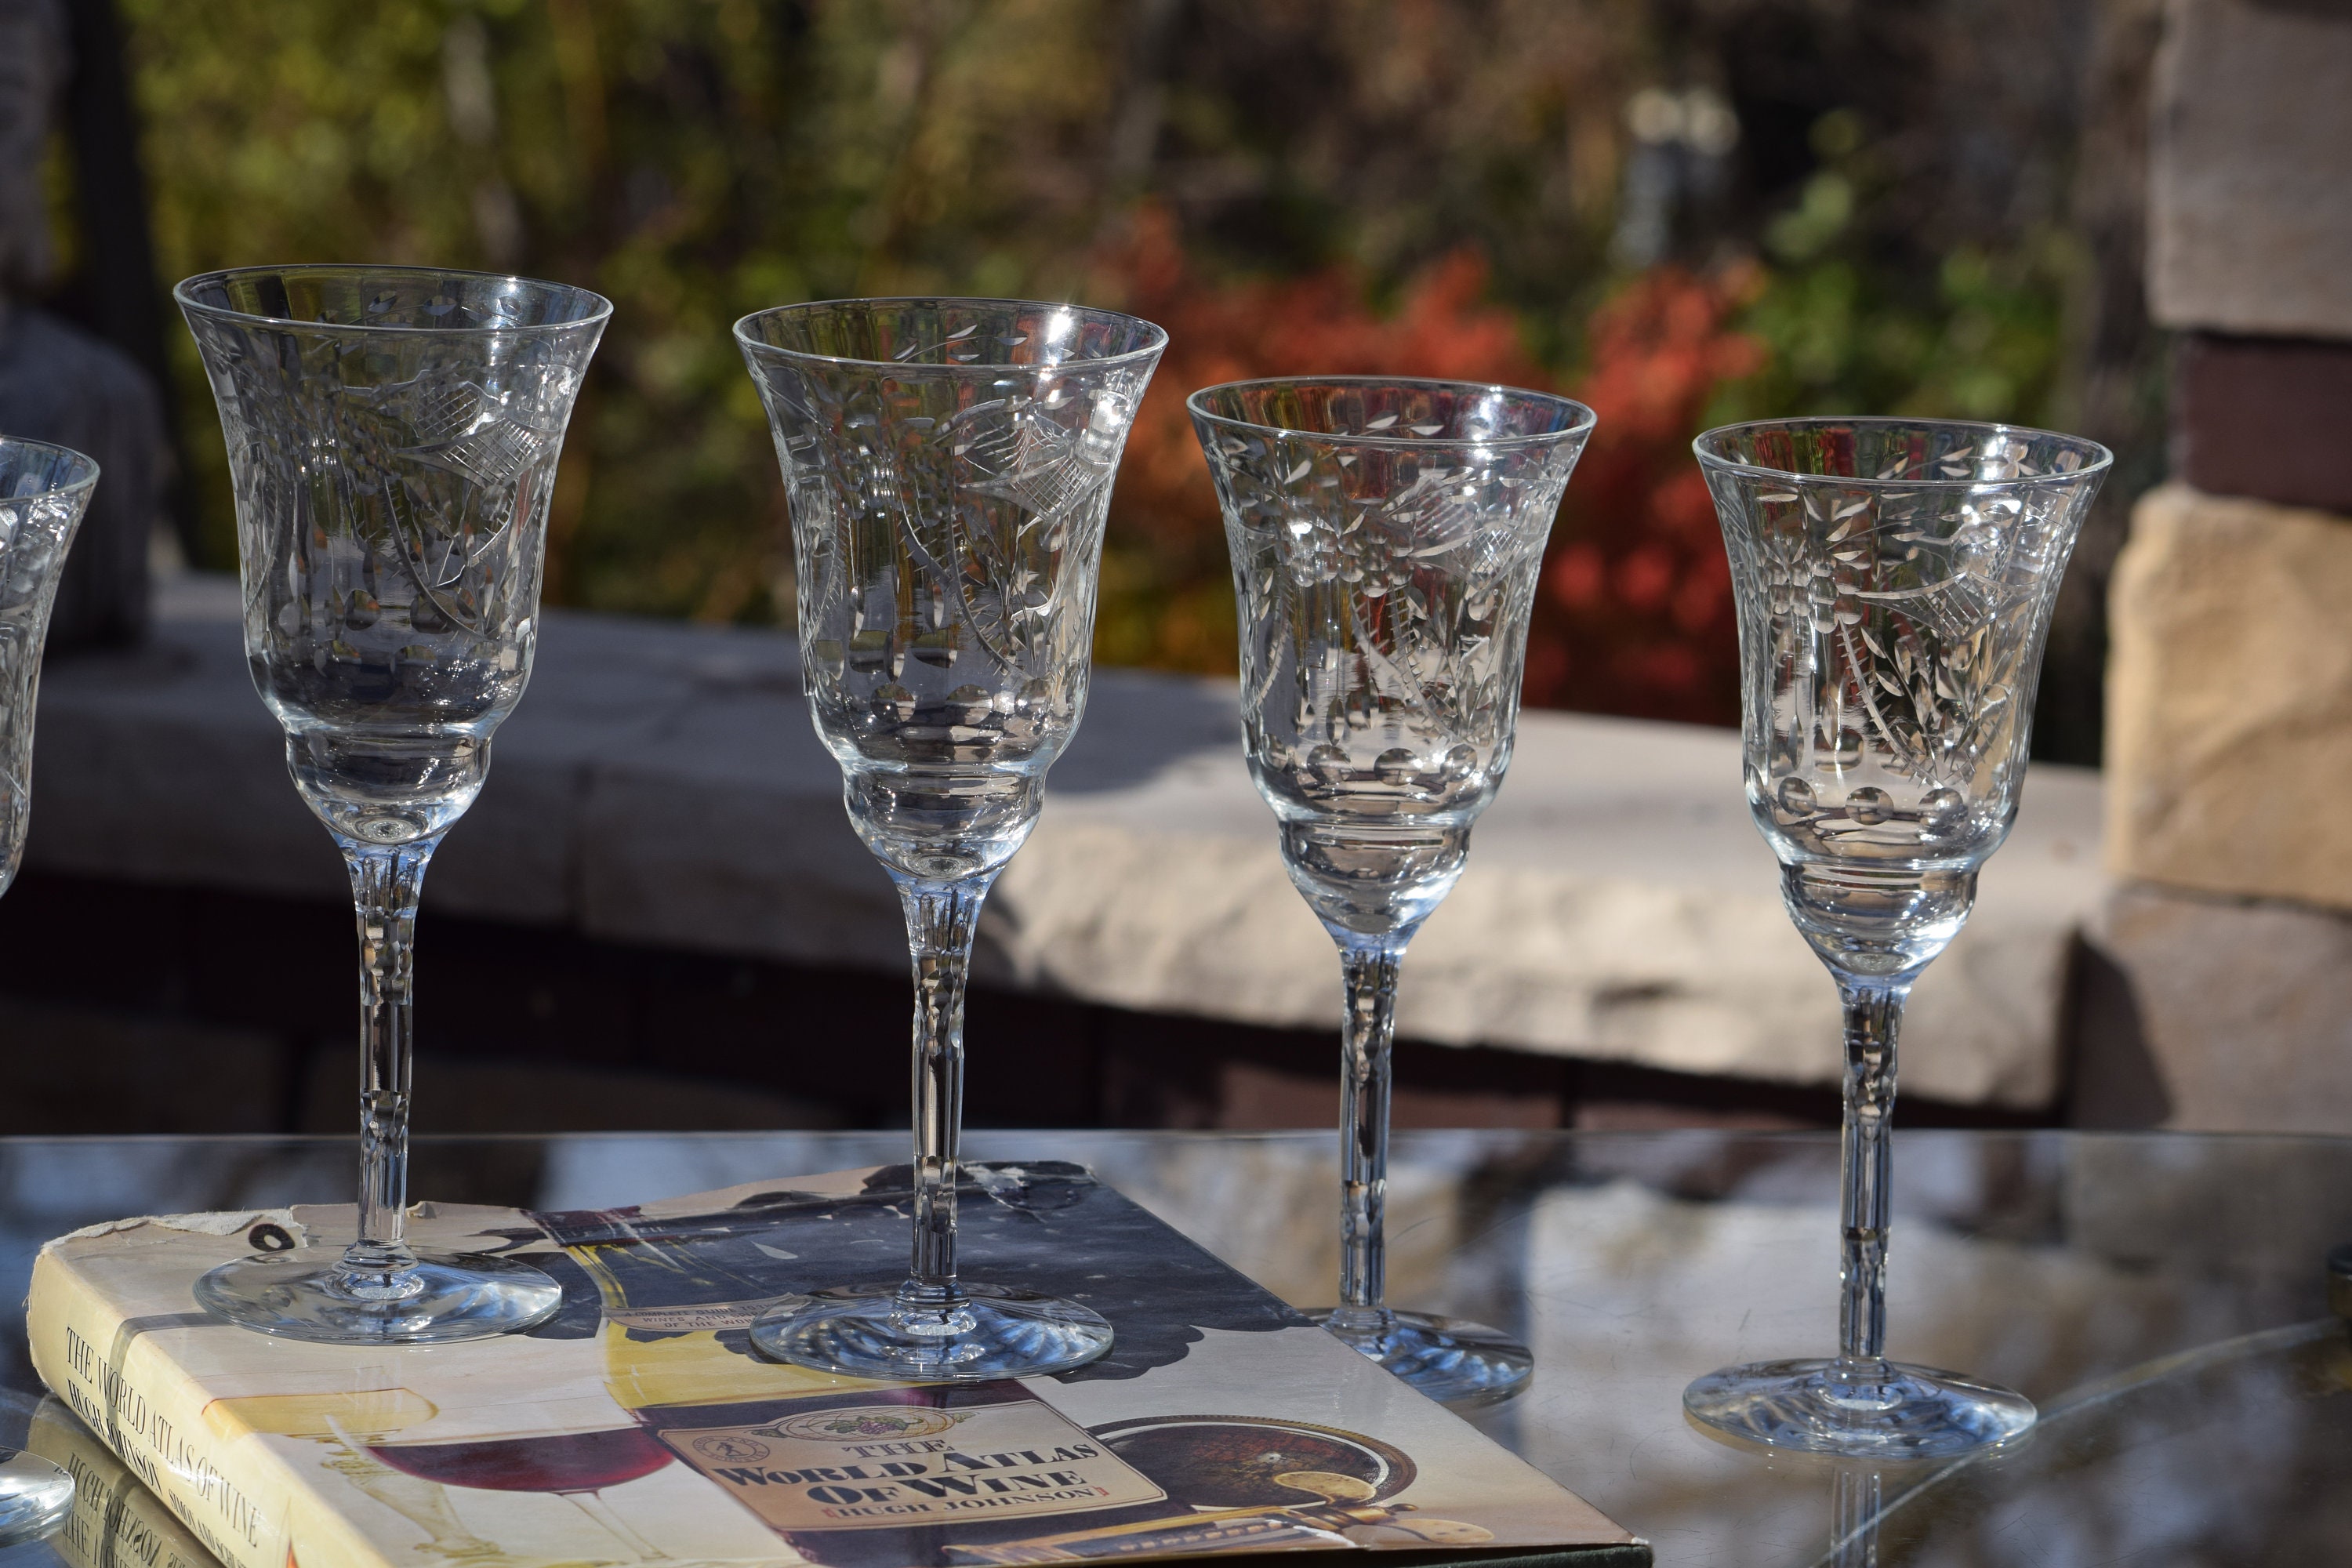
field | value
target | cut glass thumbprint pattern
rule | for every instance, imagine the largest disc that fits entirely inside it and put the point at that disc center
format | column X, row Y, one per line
column 948, row 464
column 393, row 436
column 1893, row 581
column 1386, row 536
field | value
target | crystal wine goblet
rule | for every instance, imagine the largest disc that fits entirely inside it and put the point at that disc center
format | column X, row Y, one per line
column 948, row 465
column 1893, row 581
column 43, row 490
column 393, row 436
column 1386, row 538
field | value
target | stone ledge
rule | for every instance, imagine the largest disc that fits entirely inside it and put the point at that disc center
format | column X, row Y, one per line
column 2230, row 699
column 2239, row 1010
column 660, row 784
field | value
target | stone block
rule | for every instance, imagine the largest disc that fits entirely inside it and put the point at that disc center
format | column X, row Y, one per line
column 2229, row 699
column 159, row 764
column 2242, row 1009
column 2249, row 189
column 1618, row 906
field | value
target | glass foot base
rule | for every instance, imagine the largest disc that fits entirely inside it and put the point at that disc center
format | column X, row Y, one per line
column 1449, row 1359
column 861, row 1330
column 1902, row 1412
column 306, row 1295
column 34, row 1496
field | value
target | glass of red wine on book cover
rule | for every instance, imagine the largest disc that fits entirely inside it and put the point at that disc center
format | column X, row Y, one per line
column 393, row 436
column 1386, row 536
column 948, row 464
column 575, row 1465
column 43, row 490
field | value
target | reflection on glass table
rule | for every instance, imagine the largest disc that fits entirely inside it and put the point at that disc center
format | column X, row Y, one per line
column 2161, row 1298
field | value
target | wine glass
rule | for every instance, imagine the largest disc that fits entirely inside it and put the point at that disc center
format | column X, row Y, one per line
column 344, row 1424
column 1386, row 539
column 1893, row 580
column 393, row 436
column 948, row 464
column 43, row 490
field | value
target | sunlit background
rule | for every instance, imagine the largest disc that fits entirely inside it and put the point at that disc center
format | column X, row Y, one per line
column 1683, row 211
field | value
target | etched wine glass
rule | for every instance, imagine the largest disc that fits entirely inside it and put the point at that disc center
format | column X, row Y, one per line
column 43, row 490
column 1893, row 580
column 948, row 464
column 1386, row 539
column 393, row 436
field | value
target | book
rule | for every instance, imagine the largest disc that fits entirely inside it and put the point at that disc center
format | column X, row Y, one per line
column 639, row 1426
column 114, row 1520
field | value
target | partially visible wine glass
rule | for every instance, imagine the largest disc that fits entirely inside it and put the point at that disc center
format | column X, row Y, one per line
column 948, row 464
column 43, row 490
column 1386, row 537
column 576, row 1465
column 1893, row 580
column 393, row 436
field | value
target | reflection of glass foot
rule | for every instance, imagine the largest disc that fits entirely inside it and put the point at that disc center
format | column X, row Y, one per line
column 1449, row 1359
column 862, row 1331
column 1889, row 1411
column 35, row 1495
column 307, row 1294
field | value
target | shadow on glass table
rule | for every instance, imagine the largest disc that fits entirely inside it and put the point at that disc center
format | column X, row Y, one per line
column 2162, row 1296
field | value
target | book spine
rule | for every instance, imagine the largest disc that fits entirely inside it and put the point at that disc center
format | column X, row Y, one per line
column 114, row 1521
column 243, row 1502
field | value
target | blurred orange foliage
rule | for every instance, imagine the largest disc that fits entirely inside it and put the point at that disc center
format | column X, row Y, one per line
column 1635, row 614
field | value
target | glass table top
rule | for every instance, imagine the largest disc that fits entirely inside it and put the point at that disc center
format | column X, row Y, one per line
column 2162, row 1296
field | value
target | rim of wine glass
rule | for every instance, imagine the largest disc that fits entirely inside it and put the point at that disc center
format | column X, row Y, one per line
column 86, row 477
column 601, row 313
column 980, row 301
column 2101, row 459
column 1585, row 421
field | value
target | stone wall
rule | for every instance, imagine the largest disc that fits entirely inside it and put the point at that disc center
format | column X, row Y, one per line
column 2229, row 685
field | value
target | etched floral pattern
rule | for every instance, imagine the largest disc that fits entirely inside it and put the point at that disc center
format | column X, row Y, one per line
column 949, row 468
column 1895, row 582
column 1385, row 560
column 44, row 491
column 393, row 465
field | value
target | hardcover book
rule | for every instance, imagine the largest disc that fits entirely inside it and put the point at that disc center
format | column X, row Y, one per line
column 639, row 1426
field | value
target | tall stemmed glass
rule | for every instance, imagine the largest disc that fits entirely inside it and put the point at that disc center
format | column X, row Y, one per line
column 43, row 490
column 1386, row 538
column 948, row 464
column 1893, row 580
column 393, row 436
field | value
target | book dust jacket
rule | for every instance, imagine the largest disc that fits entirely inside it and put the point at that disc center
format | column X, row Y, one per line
column 639, row 1426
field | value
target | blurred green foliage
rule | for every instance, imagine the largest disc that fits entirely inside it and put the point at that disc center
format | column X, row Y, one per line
column 695, row 160
column 1975, row 335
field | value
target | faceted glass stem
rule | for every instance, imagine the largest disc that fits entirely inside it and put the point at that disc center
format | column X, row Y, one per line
column 386, row 881
column 1369, row 965
column 941, row 919
column 1855, row 1502
column 1876, row 929
column 933, row 1327
column 1874, row 1016
column 380, row 1291
column 1446, row 1358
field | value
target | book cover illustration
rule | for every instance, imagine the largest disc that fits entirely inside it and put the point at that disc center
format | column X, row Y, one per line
column 639, row 1426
